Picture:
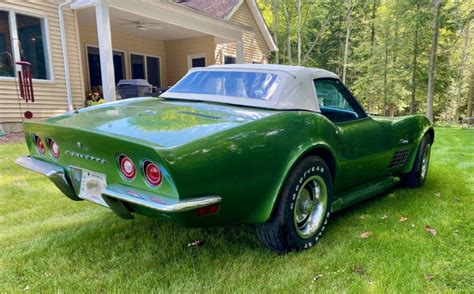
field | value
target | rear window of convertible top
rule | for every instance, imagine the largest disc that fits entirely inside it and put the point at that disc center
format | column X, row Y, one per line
column 241, row 84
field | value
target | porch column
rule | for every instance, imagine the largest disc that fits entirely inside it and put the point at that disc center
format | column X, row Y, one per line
column 240, row 52
column 105, row 51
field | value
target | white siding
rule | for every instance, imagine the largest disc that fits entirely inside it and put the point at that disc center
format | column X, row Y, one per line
column 50, row 96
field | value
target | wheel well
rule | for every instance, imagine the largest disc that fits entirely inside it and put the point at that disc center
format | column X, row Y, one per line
column 327, row 156
column 431, row 133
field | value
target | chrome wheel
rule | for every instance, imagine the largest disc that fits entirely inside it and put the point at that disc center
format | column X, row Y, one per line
column 426, row 161
column 310, row 206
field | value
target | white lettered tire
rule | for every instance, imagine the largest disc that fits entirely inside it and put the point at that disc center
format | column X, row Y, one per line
column 302, row 209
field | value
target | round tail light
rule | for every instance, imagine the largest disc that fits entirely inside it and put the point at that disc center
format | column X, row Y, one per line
column 152, row 173
column 127, row 168
column 39, row 145
column 53, row 148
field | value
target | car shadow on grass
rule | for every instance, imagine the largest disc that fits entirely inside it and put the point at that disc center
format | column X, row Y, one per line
column 109, row 235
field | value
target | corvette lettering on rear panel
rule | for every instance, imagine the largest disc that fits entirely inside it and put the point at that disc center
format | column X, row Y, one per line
column 85, row 156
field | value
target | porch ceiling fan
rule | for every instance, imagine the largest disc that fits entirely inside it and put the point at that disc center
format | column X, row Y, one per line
column 141, row 24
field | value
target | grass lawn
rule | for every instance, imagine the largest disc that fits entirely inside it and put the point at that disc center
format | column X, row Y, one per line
column 49, row 243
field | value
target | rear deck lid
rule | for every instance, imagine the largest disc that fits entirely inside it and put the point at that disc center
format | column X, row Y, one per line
column 166, row 123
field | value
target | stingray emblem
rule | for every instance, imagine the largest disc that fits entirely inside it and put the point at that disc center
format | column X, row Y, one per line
column 403, row 141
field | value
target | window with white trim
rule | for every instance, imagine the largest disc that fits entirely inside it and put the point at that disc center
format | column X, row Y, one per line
column 6, row 52
column 196, row 60
column 30, row 34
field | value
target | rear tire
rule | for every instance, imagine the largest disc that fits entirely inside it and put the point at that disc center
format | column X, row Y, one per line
column 416, row 177
column 302, row 210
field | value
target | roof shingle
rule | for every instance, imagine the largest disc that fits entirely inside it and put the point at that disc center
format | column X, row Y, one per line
column 216, row 8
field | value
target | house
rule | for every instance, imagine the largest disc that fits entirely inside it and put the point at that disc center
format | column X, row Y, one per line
column 76, row 45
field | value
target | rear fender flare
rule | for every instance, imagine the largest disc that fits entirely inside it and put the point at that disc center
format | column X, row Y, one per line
column 320, row 149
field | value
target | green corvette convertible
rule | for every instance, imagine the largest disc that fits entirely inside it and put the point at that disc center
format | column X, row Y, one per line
column 281, row 147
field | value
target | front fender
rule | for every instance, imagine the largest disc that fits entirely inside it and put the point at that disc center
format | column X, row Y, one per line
column 422, row 126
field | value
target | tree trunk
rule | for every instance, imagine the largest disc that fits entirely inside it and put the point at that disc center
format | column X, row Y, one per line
column 288, row 33
column 414, row 65
column 372, row 42
column 348, row 34
column 275, row 29
column 385, row 98
column 299, row 32
column 392, row 111
column 461, row 72
column 470, row 101
column 434, row 49
column 372, row 27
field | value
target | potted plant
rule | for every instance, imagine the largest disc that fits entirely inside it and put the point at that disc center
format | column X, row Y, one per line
column 93, row 97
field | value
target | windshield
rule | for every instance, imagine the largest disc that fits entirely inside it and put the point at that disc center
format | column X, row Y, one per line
column 241, row 84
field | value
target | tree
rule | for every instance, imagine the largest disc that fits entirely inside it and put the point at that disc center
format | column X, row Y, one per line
column 316, row 39
column 434, row 49
column 461, row 71
column 414, row 65
column 470, row 101
column 288, row 32
column 382, row 49
column 348, row 34
column 275, row 28
column 299, row 32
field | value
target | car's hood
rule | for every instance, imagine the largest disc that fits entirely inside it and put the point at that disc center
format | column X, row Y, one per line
column 167, row 123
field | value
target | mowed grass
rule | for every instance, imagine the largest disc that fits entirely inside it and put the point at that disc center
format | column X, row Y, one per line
column 49, row 243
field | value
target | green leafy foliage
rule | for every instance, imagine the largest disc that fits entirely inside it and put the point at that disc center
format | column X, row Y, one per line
column 388, row 50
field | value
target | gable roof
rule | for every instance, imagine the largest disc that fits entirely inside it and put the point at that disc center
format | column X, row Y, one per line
column 224, row 9
column 217, row 8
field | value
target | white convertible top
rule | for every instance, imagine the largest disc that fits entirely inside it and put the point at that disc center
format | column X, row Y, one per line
column 295, row 91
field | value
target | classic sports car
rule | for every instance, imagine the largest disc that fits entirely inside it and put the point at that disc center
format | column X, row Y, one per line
column 277, row 146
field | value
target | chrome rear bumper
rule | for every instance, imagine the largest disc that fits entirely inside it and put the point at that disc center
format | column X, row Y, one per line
column 156, row 202
column 54, row 172
column 115, row 194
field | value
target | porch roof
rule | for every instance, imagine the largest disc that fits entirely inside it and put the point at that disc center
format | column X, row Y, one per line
column 207, row 17
column 224, row 9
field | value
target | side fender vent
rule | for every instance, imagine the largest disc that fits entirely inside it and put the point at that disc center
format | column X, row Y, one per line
column 399, row 158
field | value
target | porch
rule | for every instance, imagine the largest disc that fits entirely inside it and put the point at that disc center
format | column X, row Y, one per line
column 152, row 40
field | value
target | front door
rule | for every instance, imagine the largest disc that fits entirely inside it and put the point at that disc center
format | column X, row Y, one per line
column 362, row 141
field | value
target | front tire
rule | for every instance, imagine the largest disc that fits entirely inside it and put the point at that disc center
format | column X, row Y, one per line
column 302, row 210
column 416, row 177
